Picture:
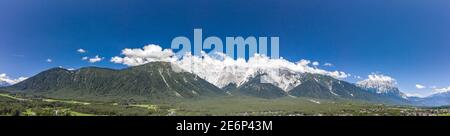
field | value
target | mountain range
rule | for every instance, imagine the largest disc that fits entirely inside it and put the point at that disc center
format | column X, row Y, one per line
column 155, row 81
column 167, row 81
column 438, row 99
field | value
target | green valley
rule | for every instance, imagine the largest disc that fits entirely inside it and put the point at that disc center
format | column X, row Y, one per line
column 17, row 105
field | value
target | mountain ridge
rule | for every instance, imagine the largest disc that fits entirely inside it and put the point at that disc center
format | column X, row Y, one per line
column 155, row 80
column 163, row 80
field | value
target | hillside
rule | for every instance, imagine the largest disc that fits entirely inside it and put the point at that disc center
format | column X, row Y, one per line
column 153, row 81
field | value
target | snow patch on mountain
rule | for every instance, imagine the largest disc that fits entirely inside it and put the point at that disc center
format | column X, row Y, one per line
column 437, row 92
column 5, row 80
column 382, row 84
column 222, row 70
column 441, row 90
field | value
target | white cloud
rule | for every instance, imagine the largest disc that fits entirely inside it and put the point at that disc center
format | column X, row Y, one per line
column 419, row 86
column 10, row 81
column 117, row 59
column 95, row 59
column 304, row 62
column 415, row 95
column 150, row 53
column 315, row 63
column 442, row 90
column 328, row 64
column 357, row 77
column 49, row 60
column 81, row 51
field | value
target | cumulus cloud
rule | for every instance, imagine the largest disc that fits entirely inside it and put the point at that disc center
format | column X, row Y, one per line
column 304, row 62
column 10, row 81
column 328, row 64
column 441, row 90
column 415, row 95
column 81, row 51
column 49, row 60
column 95, row 59
column 315, row 63
column 419, row 86
column 149, row 53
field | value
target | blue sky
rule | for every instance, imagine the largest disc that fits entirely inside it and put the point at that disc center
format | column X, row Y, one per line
column 405, row 39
